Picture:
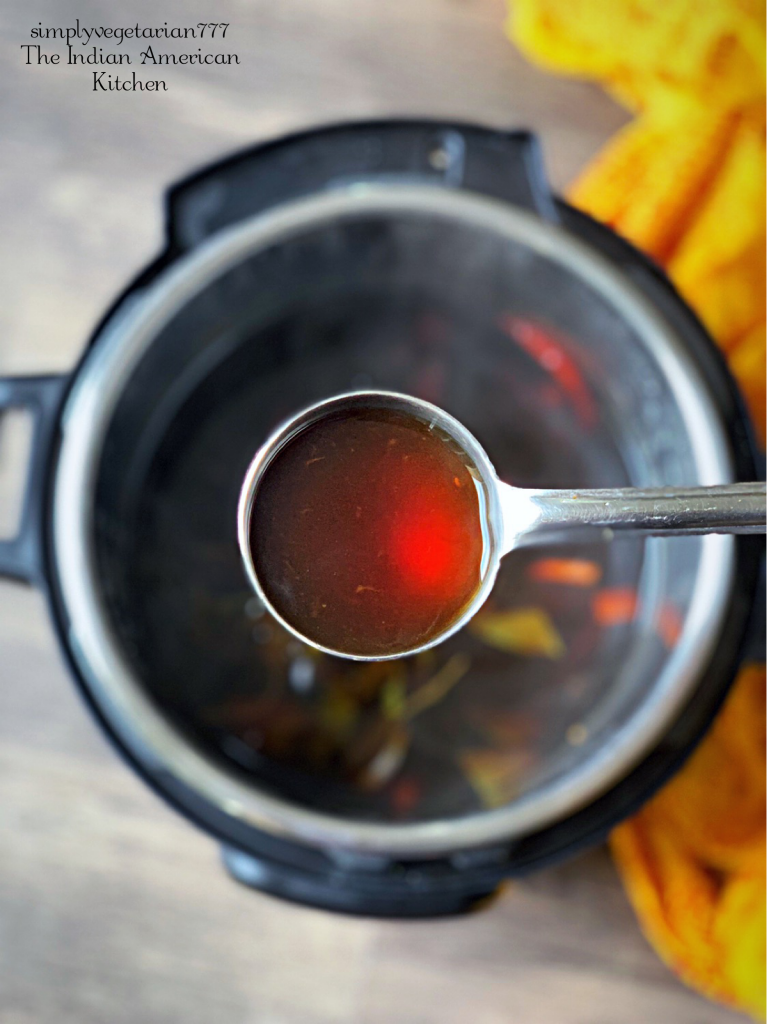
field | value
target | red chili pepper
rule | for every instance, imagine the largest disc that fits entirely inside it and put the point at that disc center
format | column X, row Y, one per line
column 570, row 572
column 615, row 606
column 669, row 624
column 552, row 356
column 405, row 794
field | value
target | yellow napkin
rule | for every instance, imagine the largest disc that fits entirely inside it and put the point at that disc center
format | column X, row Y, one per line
column 685, row 181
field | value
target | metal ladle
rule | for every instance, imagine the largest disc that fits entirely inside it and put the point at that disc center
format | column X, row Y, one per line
column 516, row 516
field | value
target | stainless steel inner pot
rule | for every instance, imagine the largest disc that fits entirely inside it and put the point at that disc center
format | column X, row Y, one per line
column 338, row 290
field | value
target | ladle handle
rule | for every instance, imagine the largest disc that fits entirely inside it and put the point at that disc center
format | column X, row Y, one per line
column 662, row 511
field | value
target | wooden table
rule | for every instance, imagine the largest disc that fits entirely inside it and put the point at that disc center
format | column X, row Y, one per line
column 112, row 909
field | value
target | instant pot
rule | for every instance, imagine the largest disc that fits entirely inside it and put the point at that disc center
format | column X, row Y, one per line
column 422, row 257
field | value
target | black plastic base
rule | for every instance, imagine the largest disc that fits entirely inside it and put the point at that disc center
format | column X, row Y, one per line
column 341, row 892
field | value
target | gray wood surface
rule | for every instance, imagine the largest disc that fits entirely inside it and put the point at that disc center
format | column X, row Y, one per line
column 112, row 909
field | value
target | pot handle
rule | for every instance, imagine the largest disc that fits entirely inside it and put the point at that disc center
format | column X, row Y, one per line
column 21, row 556
column 503, row 165
column 404, row 893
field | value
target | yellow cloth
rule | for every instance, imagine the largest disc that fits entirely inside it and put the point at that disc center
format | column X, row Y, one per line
column 685, row 181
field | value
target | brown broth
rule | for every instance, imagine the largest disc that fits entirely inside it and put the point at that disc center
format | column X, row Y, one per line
column 366, row 533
